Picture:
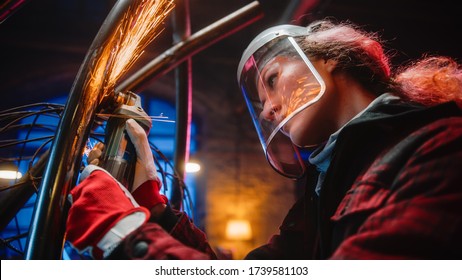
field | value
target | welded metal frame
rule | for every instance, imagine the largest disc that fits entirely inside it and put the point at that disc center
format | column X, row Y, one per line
column 47, row 228
column 46, row 234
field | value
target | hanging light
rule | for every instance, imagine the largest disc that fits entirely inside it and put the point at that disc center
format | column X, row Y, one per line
column 238, row 229
column 8, row 172
column 192, row 167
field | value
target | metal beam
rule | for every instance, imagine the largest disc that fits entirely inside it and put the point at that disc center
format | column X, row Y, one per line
column 195, row 43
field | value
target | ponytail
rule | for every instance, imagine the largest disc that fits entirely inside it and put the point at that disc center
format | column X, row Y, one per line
column 430, row 81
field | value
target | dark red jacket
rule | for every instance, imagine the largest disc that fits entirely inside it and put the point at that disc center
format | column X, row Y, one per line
column 393, row 191
column 177, row 239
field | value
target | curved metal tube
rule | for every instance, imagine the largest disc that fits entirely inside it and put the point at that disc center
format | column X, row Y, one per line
column 46, row 235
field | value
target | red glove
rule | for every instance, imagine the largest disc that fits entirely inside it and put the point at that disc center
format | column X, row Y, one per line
column 103, row 212
column 147, row 195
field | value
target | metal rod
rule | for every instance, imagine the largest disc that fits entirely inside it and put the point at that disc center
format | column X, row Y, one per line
column 46, row 235
column 296, row 9
column 12, row 200
column 192, row 45
column 8, row 8
column 183, row 88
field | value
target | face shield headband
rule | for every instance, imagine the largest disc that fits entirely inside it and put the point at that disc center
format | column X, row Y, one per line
column 278, row 82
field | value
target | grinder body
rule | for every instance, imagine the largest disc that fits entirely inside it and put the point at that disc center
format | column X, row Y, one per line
column 119, row 155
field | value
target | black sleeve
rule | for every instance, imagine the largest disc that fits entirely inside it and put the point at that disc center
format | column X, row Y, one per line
column 168, row 219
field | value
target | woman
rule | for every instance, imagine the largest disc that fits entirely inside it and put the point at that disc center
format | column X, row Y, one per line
column 383, row 179
column 380, row 153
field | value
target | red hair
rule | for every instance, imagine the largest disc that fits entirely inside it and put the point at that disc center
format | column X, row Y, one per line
column 429, row 81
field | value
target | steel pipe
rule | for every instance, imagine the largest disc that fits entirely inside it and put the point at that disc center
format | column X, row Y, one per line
column 46, row 234
column 183, row 89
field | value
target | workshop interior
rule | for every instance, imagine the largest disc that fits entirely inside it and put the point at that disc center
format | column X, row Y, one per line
column 63, row 91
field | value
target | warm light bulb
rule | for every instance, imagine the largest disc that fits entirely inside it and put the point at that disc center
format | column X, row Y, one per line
column 10, row 174
column 192, row 167
column 238, row 230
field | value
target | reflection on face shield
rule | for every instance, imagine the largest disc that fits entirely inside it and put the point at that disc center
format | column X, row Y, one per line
column 284, row 86
column 278, row 81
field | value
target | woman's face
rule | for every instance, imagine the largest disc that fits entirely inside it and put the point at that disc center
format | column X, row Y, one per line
column 286, row 85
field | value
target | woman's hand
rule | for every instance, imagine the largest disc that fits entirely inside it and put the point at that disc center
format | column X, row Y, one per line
column 95, row 154
column 145, row 168
column 146, row 183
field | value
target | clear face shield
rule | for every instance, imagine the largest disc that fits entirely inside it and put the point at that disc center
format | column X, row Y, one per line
column 278, row 82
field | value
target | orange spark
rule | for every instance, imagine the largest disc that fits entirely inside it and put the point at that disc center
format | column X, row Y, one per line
column 138, row 28
column 306, row 92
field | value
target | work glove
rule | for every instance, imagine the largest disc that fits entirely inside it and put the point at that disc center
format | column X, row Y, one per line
column 102, row 213
column 146, row 184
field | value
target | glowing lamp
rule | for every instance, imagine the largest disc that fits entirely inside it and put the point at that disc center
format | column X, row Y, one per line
column 192, row 167
column 238, row 230
column 10, row 174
